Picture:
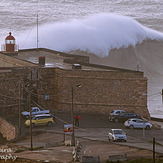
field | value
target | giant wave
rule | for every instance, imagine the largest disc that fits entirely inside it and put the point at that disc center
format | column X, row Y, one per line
column 96, row 34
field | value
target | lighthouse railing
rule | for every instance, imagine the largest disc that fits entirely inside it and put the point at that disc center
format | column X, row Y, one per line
column 16, row 47
column 3, row 47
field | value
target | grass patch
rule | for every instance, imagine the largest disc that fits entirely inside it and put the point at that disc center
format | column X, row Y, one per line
column 36, row 148
column 19, row 150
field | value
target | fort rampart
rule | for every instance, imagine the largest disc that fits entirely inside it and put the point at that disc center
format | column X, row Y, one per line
column 100, row 91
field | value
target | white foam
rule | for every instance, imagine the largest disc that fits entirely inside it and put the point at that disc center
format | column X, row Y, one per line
column 97, row 34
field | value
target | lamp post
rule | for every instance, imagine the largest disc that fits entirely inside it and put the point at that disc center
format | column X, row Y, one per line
column 143, row 129
column 144, row 94
column 72, row 114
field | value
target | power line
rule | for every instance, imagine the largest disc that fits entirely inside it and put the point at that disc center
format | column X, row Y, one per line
column 9, row 97
column 155, row 94
column 88, row 131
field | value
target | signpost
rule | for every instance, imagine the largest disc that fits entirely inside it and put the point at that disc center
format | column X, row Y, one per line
column 68, row 129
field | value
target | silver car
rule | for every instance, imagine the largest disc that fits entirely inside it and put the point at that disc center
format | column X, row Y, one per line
column 137, row 123
column 116, row 135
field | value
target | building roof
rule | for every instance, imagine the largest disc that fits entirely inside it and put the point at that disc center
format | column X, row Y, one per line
column 30, row 58
column 10, row 37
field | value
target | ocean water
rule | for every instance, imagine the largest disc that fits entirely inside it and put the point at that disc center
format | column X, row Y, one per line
column 121, row 33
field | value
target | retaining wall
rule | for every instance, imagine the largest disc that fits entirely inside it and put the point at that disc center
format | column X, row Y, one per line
column 8, row 130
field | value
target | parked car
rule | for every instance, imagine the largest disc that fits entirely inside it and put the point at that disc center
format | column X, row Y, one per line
column 117, row 134
column 125, row 116
column 115, row 113
column 137, row 123
column 34, row 111
column 42, row 119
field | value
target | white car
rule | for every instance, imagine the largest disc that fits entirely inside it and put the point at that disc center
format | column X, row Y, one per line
column 115, row 113
column 117, row 134
column 137, row 123
column 35, row 111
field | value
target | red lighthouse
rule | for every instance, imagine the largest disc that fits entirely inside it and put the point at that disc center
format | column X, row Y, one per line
column 10, row 47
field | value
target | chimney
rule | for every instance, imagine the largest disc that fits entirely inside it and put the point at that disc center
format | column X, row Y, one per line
column 42, row 61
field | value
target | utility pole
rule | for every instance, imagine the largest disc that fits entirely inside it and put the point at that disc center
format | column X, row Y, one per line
column 72, row 117
column 72, row 113
column 30, row 121
column 19, row 107
column 37, row 26
column 154, row 150
column 162, row 97
column 37, row 32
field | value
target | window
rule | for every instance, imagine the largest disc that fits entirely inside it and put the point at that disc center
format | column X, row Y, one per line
column 139, row 121
column 39, row 117
column 117, row 132
column 10, row 41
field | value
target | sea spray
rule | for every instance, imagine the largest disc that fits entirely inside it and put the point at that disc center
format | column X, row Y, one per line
column 96, row 34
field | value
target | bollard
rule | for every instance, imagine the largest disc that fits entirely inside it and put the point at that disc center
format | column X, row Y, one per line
column 76, row 157
column 78, row 146
column 74, row 151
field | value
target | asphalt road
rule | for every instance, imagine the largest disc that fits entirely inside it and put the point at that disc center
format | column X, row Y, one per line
column 97, row 126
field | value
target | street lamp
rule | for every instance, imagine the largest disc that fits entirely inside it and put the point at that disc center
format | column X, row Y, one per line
column 30, row 121
column 144, row 94
column 143, row 129
column 72, row 114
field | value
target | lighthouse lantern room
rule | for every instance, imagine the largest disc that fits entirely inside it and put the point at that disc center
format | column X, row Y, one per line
column 10, row 47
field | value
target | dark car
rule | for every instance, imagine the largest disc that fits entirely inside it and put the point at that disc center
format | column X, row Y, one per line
column 125, row 116
column 114, row 114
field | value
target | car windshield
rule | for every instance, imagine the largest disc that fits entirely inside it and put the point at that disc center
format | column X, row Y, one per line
column 118, row 132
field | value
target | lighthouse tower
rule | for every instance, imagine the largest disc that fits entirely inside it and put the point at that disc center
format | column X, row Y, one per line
column 10, row 47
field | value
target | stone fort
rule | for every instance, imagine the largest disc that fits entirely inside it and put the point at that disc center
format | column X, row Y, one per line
column 63, row 82
column 49, row 77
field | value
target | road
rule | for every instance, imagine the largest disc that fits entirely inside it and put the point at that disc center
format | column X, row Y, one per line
column 97, row 126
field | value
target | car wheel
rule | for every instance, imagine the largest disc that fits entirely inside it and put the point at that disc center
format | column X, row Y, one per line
column 49, row 123
column 116, row 120
column 147, row 127
column 113, row 140
column 131, row 127
column 108, row 138
column 33, row 125
column 124, row 140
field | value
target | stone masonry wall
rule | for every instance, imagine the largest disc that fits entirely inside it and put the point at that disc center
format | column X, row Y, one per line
column 101, row 91
column 7, row 129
